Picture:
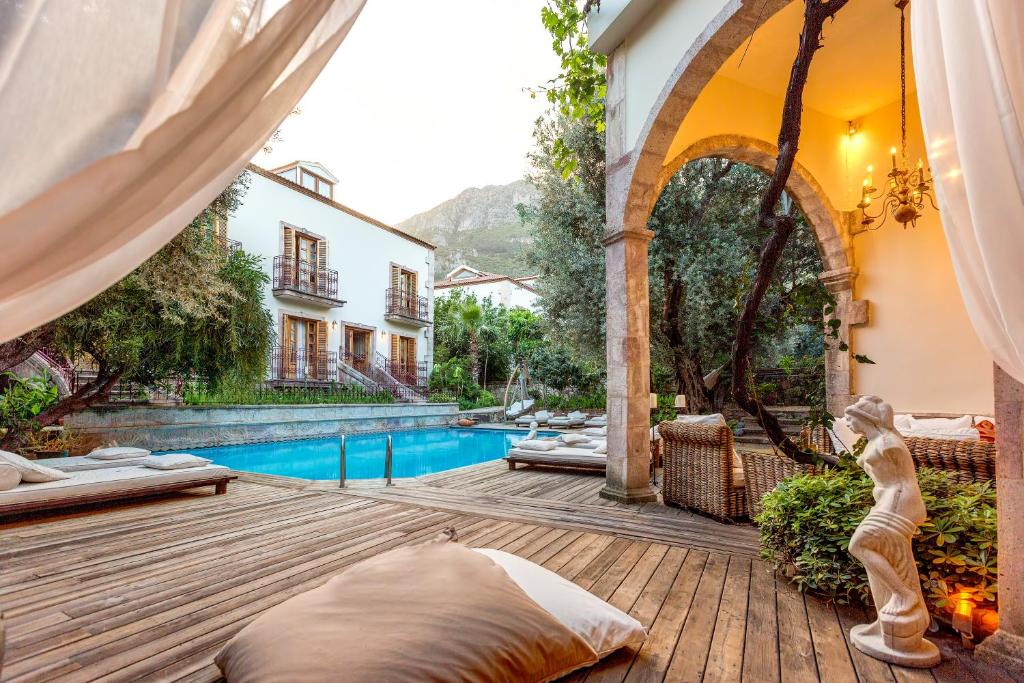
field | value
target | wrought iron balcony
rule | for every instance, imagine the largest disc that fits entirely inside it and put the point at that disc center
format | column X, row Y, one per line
column 302, row 365
column 298, row 279
column 407, row 307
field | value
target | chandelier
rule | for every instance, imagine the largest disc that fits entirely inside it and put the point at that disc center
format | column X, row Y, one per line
column 906, row 190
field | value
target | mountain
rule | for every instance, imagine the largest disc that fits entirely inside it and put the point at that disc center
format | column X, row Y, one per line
column 479, row 227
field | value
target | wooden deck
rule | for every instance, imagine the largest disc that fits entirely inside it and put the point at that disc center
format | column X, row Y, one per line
column 151, row 590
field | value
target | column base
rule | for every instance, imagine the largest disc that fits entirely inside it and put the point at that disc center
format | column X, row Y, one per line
column 1004, row 649
column 645, row 494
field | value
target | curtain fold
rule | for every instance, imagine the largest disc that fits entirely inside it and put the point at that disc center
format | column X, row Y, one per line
column 124, row 120
column 969, row 66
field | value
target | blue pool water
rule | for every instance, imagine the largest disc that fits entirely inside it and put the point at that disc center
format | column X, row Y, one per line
column 415, row 452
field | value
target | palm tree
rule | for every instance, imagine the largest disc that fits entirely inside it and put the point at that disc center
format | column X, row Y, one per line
column 470, row 318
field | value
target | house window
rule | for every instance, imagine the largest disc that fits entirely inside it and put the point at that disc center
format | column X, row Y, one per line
column 403, row 358
column 403, row 291
column 313, row 182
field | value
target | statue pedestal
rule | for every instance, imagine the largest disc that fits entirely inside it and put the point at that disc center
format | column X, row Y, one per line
column 914, row 651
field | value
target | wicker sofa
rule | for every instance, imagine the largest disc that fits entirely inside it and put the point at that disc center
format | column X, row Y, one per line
column 701, row 472
column 967, row 460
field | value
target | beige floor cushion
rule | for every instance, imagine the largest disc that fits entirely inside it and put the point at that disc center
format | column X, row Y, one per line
column 118, row 453
column 175, row 461
column 9, row 476
column 430, row 612
column 605, row 627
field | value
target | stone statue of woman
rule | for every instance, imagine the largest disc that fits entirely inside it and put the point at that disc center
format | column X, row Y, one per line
column 882, row 543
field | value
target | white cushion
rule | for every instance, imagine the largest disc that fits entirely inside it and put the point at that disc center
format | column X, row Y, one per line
column 577, row 415
column 537, row 445
column 175, row 461
column 604, row 626
column 573, row 439
column 118, row 453
column 9, row 476
column 984, row 418
column 941, row 423
column 903, row 423
column 603, row 448
column 842, row 436
column 596, row 431
column 106, row 480
column 543, row 415
column 31, row 472
column 713, row 419
column 961, row 434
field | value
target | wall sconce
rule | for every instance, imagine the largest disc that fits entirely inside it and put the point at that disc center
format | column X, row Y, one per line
column 654, row 402
column 680, row 404
column 852, row 127
column 334, row 324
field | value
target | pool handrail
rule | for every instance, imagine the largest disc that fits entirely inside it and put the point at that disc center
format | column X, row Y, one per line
column 387, row 462
column 341, row 463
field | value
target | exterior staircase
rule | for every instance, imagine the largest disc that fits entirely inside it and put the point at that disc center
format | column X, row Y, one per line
column 792, row 418
column 374, row 375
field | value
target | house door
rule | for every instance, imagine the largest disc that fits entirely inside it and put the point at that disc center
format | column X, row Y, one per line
column 300, row 352
column 306, row 253
column 357, row 343
column 403, row 358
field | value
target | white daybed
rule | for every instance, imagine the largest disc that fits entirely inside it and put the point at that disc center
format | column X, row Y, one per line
column 541, row 417
column 573, row 419
column 110, row 483
column 580, row 458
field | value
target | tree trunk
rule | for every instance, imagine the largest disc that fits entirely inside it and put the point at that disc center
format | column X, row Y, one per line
column 689, row 379
column 474, row 357
column 781, row 226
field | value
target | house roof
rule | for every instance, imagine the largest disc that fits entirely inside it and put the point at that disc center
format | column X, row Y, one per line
column 482, row 278
column 314, row 166
column 271, row 175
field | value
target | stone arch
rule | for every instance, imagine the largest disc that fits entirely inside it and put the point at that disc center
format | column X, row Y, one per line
column 828, row 223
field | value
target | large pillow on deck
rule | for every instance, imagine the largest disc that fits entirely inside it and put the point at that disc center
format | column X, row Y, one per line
column 573, row 439
column 118, row 453
column 596, row 431
column 31, row 472
column 431, row 612
column 537, row 445
column 605, row 627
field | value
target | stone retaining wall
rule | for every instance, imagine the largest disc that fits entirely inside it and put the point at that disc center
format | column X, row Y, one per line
column 173, row 427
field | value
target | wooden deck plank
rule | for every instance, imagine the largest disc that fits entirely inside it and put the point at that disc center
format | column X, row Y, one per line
column 152, row 589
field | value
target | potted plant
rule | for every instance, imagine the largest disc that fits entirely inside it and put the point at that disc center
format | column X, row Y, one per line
column 52, row 442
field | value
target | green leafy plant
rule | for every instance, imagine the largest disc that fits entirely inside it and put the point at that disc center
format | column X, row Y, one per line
column 240, row 393
column 807, row 522
column 24, row 398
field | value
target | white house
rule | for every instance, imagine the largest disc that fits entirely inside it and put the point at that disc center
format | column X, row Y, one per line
column 510, row 292
column 351, row 297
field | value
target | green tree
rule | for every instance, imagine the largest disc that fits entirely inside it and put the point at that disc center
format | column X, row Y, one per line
column 191, row 309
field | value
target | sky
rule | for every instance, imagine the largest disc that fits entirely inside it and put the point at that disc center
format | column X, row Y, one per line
column 423, row 99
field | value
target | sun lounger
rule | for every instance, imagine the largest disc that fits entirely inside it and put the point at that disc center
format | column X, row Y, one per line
column 518, row 408
column 541, row 417
column 573, row 419
column 110, row 483
column 597, row 421
column 580, row 458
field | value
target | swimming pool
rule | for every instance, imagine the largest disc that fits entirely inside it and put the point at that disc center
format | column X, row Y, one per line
column 414, row 452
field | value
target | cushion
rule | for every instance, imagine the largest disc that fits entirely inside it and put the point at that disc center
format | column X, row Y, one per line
column 573, row 439
column 175, row 461
column 603, row 448
column 903, row 422
column 604, row 627
column 961, row 434
column 714, row 419
column 10, row 477
column 537, row 445
column 30, row 472
column 577, row 415
column 984, row 418
column 596, row 431
column 986, row 430
column 118, row 453
column 941, row 423
column 543, row 415
column 843, row 438
column 431, row 612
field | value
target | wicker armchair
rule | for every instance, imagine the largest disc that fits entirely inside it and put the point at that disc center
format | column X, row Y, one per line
column 699, row 471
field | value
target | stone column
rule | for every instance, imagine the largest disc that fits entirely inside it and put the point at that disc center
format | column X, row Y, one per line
column 1006, row 646
column 628, row 319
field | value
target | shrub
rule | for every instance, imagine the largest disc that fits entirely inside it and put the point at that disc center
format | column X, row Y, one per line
column 198, row 394
column 570, row 402
column 24, row 398
column 807, row 522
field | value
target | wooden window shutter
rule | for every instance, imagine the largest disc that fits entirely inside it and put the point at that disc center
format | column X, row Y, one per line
column 396, row 277
column 321, row 255
column 395, row 354
column 412, row 356
column 288, row 252
column 321, row 349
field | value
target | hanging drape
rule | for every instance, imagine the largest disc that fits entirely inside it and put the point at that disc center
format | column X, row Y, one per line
column 969, row 65
column 120, row 121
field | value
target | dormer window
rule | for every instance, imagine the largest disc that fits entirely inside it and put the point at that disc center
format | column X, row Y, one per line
column 310, row 175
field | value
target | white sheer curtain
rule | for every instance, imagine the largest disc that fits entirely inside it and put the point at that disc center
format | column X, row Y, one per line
column 969, row 64
column 120, row 121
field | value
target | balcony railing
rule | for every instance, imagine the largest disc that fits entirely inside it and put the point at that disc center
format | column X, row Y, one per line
column 406, row 304
column 300, row 365
column 410, row 374
column 304, row 277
